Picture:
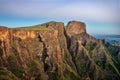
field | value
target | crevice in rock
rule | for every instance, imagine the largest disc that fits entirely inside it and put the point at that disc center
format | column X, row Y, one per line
column 68, row 40
column 44, row 56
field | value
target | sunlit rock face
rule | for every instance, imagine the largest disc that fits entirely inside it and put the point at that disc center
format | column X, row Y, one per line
column 75, row 27
column 52, row 51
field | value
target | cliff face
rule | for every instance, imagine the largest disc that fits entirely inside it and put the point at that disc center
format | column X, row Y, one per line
column 51, row 51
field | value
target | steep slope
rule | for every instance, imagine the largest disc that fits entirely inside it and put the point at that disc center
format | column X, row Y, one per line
column 91, row 56
column 92, row 59
column 51, row 51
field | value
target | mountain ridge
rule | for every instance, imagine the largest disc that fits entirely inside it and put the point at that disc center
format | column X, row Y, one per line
column 51, row 51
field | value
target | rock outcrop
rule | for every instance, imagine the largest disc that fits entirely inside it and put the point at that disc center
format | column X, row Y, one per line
column 75, row 27
column 51, row 51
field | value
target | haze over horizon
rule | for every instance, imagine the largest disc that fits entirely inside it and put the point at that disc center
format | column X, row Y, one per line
column 100, row 16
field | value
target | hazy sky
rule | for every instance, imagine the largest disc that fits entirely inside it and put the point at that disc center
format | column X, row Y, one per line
column 100, row 16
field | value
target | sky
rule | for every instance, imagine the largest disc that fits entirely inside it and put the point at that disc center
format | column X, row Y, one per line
column 100, row 16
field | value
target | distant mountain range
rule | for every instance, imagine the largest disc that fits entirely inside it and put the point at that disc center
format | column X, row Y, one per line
column 112, row 39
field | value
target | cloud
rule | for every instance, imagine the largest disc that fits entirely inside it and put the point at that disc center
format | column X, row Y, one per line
column 98, row 11
column 88, row 11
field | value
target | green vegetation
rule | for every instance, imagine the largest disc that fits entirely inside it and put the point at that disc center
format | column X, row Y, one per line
column 67, row 72
column 111, row 60
column 100, row 63
column 3, row 72
column 12, row 59
column 36, row 70
column 82, row 68
column 33, row 28
column 54, row 76
column 70, row 76
column 7, row 75
column 90, row 46
column 18, row 72
column 97, row 71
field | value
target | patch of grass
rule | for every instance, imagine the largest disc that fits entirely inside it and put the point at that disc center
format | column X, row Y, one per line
column 110, row 59
column 12, row 59
column 70, row 76
column 90, row 46
column 3, row 72
column 97, row 71
column 67, row 72
column 54, row 76
column 82, row 68
column 36, row 70
column 18, row 72
column 7, row 75
column 33, row 28
column 100, row 63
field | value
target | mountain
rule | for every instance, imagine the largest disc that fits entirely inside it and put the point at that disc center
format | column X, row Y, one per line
column 52, row 51
column 112, row 39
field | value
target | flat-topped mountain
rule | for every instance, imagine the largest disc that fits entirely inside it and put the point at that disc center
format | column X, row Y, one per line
column 75, row 27
column 52, row 51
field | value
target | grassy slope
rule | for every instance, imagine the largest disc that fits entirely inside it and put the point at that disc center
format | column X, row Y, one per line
column 33, row 28
column 110, row 59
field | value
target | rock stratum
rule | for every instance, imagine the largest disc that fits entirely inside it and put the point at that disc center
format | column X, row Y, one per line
column 51, row 51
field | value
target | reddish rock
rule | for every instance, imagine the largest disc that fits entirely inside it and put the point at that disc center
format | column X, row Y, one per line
column 75, row 27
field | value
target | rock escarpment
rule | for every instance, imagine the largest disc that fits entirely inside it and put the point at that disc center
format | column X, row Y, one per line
column 51, row 51
column 75, row 27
